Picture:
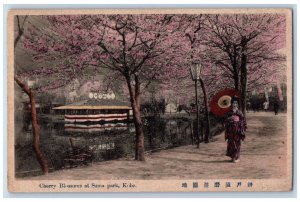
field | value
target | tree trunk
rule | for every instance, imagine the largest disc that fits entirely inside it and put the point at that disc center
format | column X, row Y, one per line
column 233, row 59
column 236, row 80
column 207, row 131
column 192, row 132
column 137, row 92
column 135, row 104
column 235, row 69
column 197, row 116
column 243, row 74
column 243, row 83
column 40, row 155
column 139, row 145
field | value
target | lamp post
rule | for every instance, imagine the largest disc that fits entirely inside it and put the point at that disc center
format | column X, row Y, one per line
column 195, row 73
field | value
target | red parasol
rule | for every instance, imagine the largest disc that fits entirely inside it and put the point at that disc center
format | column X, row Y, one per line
column 221, row 102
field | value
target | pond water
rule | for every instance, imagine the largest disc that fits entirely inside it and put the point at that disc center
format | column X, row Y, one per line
column 106, row 142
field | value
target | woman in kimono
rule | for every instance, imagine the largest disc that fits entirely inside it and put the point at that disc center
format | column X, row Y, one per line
column 235, row 126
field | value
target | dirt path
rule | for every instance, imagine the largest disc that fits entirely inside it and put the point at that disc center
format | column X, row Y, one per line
column 263, row 155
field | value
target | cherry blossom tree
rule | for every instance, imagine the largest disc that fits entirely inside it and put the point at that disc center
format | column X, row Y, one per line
column 20, row 22
column 137, row 47
column 132, row 46
column 246, row 46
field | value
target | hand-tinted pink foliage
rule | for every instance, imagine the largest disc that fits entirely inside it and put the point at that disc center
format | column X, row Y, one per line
column 158, row 48
column 259, row 36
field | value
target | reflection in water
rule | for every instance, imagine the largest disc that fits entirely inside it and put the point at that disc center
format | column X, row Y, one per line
column 99, row 147
column 104, row 141
column 94, row 127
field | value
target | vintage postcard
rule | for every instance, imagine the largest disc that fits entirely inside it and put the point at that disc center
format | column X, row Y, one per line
column 150, row 100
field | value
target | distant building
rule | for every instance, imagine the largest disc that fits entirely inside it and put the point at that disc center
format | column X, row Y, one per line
column 171, row 108
column 100, row 112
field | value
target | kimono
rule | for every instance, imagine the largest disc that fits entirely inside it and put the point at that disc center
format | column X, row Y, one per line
column 235, row 126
